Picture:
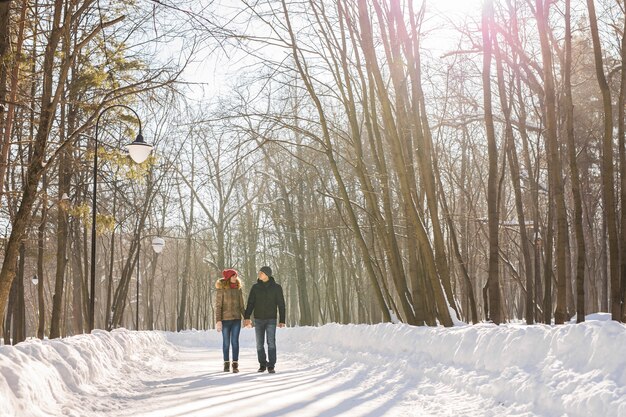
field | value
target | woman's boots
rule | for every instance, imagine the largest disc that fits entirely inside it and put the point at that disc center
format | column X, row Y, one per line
column 235, row 367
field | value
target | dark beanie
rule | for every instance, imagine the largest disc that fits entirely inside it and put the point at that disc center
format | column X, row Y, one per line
column 266, row 270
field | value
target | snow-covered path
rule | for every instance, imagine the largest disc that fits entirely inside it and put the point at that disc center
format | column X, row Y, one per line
column 303, row 386
column 192, row 384
column 334, row 370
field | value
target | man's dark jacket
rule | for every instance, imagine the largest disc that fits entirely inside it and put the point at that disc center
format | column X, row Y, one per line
column 264, row 299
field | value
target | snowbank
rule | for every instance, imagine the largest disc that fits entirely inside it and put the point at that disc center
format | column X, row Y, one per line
column 573, row 370
column 37, row 378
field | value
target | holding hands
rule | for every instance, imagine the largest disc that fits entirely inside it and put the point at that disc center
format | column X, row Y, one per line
column 248, row 324
column 218, row 326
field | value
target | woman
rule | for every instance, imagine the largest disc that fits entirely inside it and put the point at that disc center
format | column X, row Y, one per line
column 228, row 312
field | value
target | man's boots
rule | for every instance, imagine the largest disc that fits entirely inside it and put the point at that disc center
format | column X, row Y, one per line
column 235, row 367
column 227, row 366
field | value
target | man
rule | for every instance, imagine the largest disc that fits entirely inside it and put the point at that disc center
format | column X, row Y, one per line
column 266, row 296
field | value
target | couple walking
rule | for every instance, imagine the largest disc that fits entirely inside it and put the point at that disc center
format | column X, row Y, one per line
column 265, row 297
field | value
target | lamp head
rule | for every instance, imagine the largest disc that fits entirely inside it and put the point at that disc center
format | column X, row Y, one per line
column 139, row 150
column 158, row 243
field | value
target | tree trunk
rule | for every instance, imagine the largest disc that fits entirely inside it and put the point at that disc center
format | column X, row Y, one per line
column 382, row 224
column 180, row 321
column 622, row 158
column 19, row 307
column 515, row 179
column 548, row 275
column 108, row 312
column 36, row 164
column 121, row 292
column 554, row 164
column 6, row 123
column 5, row 10
column 41, row 322
column 65, row 173
column 575, row 180
column 608, row 191
column 493, row 280
column 425, row 247
column 334, row 168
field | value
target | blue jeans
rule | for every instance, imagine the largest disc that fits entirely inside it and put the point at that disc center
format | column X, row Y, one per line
column 261, row 328
column 230, row 335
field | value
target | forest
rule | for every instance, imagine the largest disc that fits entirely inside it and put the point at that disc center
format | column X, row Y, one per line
column 424, row 162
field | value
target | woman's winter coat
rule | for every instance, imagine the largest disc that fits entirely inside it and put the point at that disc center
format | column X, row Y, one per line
column 229, row 304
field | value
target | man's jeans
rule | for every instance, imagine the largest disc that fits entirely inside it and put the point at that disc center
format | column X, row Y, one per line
column 261, row 328
column 230, row 335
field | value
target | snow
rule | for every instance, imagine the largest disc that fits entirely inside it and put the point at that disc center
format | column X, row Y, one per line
column 356, row 370
column 394, row 317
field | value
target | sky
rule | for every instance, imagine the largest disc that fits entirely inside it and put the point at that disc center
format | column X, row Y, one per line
column 214, row 69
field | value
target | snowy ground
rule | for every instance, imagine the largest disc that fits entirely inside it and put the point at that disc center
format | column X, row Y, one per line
column 382, row 370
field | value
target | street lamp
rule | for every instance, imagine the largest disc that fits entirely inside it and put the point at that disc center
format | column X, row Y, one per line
column 158, row 243
column 35, row 279
column 139, row 152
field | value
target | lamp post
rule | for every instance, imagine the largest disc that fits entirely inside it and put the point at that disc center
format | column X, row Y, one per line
column 137, row 282
column 158, row 243
column 139, row 152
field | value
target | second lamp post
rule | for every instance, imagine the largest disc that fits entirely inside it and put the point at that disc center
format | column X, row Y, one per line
column 158, row 243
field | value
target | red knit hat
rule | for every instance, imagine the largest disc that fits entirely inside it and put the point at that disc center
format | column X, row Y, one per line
column 228, row 273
